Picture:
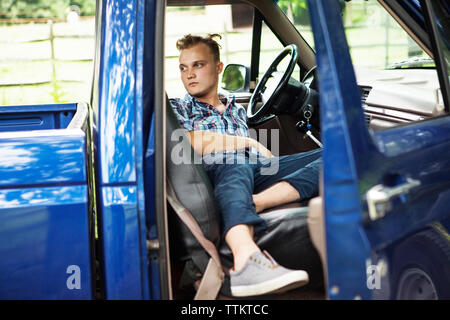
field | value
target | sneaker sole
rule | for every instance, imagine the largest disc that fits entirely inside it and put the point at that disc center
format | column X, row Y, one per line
column 281, row 284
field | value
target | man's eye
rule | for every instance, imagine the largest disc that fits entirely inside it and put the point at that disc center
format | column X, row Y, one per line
column 199, row 65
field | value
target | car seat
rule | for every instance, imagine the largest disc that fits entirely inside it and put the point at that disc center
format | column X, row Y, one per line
column 287, row 238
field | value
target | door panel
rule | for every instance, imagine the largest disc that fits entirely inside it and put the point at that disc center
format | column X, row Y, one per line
column 378, row 187
column 120, row 231
column 419, row 152
column 119, row 165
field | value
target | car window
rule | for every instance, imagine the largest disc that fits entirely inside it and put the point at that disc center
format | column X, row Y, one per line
column 233, row 22
column 270, row 48
column 375, row 39
column 397, row 79
column 298, row 14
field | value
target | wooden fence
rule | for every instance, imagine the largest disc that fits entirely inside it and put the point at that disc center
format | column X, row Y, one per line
column 52, row 58
column 228, row 50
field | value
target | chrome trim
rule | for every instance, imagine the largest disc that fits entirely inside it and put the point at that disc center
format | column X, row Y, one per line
column 378, row 197
column 79, row 117
column 401, row 115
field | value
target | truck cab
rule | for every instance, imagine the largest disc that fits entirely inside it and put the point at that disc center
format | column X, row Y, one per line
column 84, row 187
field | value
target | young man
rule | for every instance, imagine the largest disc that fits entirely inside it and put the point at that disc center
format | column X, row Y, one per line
column 217, row 128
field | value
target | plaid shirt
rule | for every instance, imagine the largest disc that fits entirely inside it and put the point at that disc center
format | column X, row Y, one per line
column 195, row 115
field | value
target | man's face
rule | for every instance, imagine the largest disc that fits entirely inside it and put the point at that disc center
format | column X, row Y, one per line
column 199, row 71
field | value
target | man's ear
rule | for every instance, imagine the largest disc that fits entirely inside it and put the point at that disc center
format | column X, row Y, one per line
column 219, row 67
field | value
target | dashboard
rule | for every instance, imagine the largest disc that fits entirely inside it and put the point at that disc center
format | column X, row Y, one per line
column 393, row 97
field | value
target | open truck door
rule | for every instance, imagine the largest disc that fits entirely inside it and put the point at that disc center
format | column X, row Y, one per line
column 385, row 193
column 119, row 142
column 128, row 100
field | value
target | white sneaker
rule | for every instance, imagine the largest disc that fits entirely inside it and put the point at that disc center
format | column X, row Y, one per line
column 263, row 275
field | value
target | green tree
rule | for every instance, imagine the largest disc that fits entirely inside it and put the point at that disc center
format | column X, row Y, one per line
column 87, row 6
column 297, row 8
column 43, row 8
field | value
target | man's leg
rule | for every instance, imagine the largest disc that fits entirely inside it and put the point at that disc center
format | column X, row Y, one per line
column 297, row 178
column 279, row 193
column 233, row 188
column 254, row 272
column 240, row 241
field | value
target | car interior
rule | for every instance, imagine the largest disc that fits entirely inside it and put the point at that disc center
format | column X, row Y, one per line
column 283, row 97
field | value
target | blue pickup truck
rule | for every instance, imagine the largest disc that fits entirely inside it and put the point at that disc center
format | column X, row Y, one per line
column 83, row 186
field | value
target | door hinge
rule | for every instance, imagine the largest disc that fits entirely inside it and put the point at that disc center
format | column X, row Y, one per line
column 152, row 245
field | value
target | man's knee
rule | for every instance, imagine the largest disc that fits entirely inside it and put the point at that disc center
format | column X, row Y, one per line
column 226, row 170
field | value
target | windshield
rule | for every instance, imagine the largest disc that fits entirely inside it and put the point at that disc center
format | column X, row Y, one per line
column 375, row 39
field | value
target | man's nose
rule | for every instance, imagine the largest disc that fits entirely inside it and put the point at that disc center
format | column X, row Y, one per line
column 190, row 74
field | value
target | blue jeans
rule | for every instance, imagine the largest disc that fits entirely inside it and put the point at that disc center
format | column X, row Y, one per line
column 236, row 178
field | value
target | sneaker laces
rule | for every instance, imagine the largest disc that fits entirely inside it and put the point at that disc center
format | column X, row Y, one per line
column 270, row 262
column 268, row 256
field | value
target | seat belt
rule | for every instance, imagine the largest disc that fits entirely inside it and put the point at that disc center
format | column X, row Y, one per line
column 213, row 276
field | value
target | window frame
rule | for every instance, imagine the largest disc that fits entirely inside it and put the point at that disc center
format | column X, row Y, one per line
column 439, row 59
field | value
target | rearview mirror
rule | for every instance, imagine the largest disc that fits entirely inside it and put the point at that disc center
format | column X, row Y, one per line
column 236, row 78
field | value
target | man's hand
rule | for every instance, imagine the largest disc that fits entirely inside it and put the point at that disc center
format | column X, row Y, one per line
column 261, row 149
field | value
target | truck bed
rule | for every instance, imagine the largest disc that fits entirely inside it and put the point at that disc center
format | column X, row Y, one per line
column 36, row 117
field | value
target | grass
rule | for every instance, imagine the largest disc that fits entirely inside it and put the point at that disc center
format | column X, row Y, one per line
column 14, row 67
column 47, row 93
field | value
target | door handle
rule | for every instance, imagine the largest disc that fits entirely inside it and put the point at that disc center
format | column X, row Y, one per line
column 379, row 196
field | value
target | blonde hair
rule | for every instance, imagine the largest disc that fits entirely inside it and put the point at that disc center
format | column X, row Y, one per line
column 190, row 40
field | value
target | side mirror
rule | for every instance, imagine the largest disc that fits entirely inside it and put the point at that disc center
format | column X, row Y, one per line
column 236, row 78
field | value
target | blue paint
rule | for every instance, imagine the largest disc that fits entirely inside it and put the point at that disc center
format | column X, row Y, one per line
column 42, row 158
column 43, row 231
column 46, row 192
column 117, row 131
column 342, row 122
column 36, row 117
column 121, row 247
column 120, row 150
column 356, row 159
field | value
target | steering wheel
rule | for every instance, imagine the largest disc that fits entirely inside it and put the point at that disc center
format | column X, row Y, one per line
column 268, row 94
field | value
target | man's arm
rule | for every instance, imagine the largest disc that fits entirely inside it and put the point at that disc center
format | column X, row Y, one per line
column 205, row 142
